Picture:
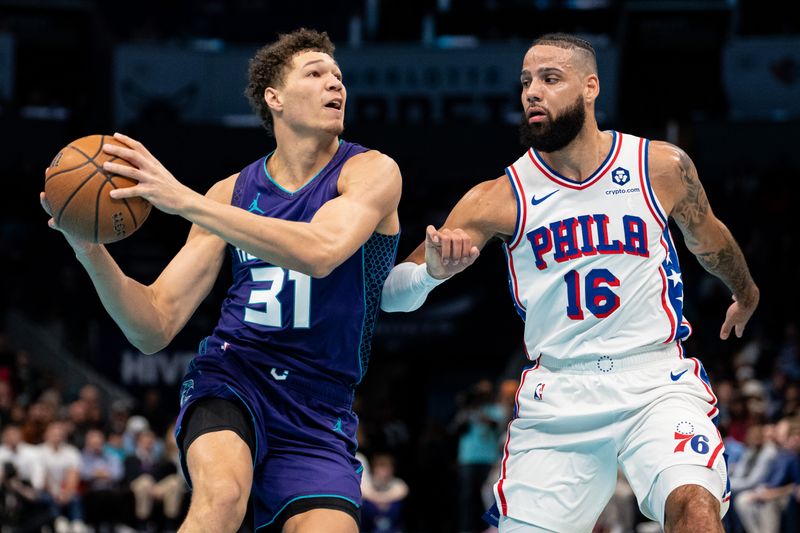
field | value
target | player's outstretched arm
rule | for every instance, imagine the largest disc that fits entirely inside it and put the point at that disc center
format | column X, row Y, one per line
column 675, row 177
column 369, row 187
column 151, row 316
column 487, row 210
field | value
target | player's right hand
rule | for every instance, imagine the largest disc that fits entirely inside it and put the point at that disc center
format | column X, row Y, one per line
column 448, row 252
column 738, row 315
column 77, row 244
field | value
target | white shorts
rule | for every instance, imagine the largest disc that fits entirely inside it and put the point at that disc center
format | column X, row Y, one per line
column 576, row 425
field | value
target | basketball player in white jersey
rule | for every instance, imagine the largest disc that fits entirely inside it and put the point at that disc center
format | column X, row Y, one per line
column 593, row 271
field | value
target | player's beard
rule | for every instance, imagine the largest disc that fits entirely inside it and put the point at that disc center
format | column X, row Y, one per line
column 555, row 133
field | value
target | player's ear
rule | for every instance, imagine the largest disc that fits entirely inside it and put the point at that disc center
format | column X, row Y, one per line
column 591, row 88
column 273, row 99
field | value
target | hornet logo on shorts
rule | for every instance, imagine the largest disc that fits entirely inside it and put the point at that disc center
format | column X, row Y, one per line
column 538, row 392
column 186, row 388
column 620, row 176
column 279, row 376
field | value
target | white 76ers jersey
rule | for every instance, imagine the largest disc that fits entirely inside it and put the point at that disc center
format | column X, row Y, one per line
column 592, row 266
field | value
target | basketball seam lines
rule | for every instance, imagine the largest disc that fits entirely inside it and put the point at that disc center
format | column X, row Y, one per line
column 97, row 210
column 53, row 175
column 72, row 195
column 107, row 179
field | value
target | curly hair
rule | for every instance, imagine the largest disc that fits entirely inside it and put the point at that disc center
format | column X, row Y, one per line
column 268, row 66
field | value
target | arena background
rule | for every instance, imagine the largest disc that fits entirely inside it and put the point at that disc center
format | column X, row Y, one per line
column 435, row 86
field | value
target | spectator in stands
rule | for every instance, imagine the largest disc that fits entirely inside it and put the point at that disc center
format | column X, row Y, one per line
column 383, row 496
column 788, row 360
column 166, row 484
column 739, row 418
column 752, row 469
column 135, row 425
column 27, row 380
column 6, row 402
column 62, row 464
column 760, row 508
column 21, row 482
column 39, row 416
column 24, row 457
column 153, row 409
column 791, row 400
column 101, row 474
column 115, row 445
column 90, row 395
column 78, row 423
column 144, row 470
column 119, row 413
column 506, row 401
column 776, row 392
column 478, row 424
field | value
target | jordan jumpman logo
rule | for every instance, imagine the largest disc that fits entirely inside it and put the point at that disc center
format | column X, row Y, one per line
column 254, row 205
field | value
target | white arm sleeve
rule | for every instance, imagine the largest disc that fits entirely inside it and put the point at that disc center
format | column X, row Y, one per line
column 407, row 287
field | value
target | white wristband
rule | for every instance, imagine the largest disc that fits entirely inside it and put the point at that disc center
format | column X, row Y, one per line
column 407, row 287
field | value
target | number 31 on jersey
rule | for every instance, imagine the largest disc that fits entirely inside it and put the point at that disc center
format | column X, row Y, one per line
column 266, row 309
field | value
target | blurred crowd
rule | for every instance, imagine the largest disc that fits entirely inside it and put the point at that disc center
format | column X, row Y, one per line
column 74, row 461
column 78, row 462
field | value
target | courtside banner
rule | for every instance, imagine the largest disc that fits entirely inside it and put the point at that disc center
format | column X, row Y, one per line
column 762, row 78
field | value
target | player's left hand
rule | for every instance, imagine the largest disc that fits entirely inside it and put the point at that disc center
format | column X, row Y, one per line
column 156, row 184
column 79, row 245
column 736, row 318
column 448, row 252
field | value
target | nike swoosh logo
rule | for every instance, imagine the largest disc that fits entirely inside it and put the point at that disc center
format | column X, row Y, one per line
column 676, row 377
column 537, row 201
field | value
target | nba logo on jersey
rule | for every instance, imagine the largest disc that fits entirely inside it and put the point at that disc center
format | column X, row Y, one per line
column 620, row 176
column 538, row 392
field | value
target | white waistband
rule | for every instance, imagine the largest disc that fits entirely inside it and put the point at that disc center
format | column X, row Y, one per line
column 606, row 364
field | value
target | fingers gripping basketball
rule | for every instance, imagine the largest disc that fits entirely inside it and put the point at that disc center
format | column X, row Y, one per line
column 77, row 192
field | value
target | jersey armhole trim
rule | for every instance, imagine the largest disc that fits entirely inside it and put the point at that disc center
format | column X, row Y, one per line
column 647, row 186
column 522, row 212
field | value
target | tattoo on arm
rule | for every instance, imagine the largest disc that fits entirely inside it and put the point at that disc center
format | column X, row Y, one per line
column 729, row 265
column 693, row 208
column 723, row 258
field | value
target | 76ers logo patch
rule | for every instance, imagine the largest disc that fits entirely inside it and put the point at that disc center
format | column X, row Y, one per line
column 684, row 434
column 538, row 392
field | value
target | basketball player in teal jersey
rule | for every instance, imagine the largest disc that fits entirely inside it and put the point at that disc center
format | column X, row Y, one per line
column 311, row 229
column 594, row 273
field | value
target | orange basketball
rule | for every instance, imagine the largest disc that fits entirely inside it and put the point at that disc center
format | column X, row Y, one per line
column 77, row 191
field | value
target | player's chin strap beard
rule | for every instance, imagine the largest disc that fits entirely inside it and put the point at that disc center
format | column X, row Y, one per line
column 559, row 133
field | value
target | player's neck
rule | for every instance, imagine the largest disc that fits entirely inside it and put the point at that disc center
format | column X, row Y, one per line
column 296, row 161
column 582, row 157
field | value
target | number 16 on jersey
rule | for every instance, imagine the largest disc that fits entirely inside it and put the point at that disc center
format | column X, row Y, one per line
column 601, row 301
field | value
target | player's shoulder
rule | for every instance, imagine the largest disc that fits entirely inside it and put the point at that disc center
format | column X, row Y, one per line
column 372, row 160
column 667, row 161
column 491, row 191
column 490, row 202
column 371, row 169
column 222, row 191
